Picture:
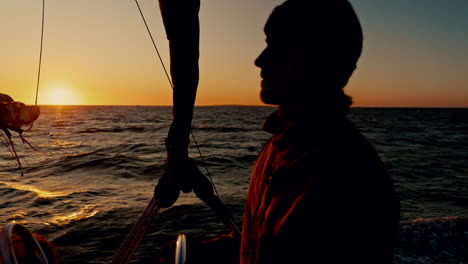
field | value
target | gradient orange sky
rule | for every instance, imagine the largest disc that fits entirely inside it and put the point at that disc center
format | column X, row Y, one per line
column 98, row 52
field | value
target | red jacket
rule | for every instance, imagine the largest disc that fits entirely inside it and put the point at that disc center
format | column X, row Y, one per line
column 318, row 193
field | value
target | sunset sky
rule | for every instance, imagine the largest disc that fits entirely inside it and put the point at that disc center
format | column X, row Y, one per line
column 98, row 52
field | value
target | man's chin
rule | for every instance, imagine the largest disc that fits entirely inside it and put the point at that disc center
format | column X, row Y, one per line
column 269, row 98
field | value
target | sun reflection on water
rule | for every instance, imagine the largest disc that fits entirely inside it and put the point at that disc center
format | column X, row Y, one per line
column 18, row 215
column 40, row 193
column 84, row 212
column 64, row 144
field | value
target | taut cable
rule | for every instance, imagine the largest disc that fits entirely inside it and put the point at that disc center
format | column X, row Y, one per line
column 40, row 53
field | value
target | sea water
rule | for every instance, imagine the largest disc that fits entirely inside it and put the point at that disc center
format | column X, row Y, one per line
column 95, row 169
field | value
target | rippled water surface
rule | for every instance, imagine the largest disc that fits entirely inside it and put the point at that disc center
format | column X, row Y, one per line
column 96, row 167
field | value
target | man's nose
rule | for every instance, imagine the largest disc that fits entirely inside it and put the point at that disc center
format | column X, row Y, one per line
column 260, row 59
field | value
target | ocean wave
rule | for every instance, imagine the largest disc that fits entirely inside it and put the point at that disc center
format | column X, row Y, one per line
column 19, row 188
column 223, row 129
column 110, row 158
column 229, row 163
column 42, row 195
column 433, row 240
column 116, row 129
column 84, row 212
column 53, row 134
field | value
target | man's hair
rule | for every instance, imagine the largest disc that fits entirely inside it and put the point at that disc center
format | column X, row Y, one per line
column 328, row 35
column 328, row 28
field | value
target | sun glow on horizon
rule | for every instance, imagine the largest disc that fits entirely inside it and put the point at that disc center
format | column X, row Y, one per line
column 59, row 94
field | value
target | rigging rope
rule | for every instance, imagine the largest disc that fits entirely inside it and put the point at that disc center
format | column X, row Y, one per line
column 16, row 155
column 154, row 45
column 40, row 53
column 6, row 143
column 131, row 242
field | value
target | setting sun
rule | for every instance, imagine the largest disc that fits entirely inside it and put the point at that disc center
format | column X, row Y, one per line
column 60, row 94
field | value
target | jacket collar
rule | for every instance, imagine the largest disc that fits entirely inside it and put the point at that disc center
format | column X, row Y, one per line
column 307, row 129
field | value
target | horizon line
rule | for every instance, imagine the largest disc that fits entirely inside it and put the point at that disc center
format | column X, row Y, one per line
column 263, row 105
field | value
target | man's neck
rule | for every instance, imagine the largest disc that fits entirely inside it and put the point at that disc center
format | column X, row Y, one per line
column 291, row 113
column 295, row 112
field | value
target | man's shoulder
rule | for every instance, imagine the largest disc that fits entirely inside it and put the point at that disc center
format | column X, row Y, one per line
column 334, row 146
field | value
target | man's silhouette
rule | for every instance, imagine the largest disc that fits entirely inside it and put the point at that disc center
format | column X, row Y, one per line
column 318, row 193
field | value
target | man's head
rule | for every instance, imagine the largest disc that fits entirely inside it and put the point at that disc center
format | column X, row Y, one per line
column 312, row 50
